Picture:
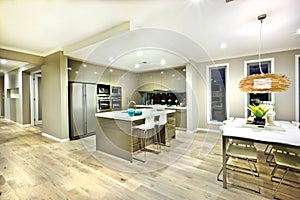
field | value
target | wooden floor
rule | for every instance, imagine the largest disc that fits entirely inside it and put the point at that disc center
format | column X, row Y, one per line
column 34, row 167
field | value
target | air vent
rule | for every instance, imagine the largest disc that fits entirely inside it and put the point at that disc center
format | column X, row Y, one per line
column 227, row 1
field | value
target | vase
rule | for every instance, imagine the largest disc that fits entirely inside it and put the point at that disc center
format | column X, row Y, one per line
column 259, row 121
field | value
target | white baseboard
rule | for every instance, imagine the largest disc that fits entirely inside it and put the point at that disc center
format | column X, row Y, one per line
column 191, row 131
column 22, row 125
column 55, row 138
column 208, row 130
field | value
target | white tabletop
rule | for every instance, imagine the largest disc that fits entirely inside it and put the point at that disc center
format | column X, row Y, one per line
column 123, row 115
column 284, row 133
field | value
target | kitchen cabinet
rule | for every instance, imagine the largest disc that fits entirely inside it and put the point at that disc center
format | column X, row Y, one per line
column 180, row 118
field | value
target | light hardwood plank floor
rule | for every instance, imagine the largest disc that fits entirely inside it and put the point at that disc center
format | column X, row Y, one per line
column 35, row 167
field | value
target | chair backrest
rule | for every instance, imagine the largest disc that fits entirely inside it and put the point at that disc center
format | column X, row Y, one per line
column 162, row 119
column 158, row 107
column 149, row 122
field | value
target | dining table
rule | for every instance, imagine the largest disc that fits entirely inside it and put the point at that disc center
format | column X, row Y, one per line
column 280, row 133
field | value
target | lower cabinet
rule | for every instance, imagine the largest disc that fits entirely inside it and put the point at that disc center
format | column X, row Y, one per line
column 180, row 118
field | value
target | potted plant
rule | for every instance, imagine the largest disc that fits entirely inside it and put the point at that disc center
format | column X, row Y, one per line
column 259, row 112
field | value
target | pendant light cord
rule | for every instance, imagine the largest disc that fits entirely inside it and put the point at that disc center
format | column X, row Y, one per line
column 260, row 47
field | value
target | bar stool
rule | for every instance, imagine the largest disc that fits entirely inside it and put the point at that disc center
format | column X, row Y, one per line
column 288, row 162
column 161, row 123
column 144, row 134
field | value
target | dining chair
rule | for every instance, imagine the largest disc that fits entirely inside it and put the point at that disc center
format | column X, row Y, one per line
column 241, row 150
column 144, row 134
column 282, row 149
column 288, row 162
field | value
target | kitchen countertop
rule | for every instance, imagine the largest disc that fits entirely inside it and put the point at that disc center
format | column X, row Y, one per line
column 166, row 107
column 123, row 115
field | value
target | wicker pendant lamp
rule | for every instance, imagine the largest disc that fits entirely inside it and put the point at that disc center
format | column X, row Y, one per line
column 264, row 83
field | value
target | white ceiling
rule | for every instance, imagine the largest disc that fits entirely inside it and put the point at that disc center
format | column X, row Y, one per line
column 42, row 27
column 10, row 65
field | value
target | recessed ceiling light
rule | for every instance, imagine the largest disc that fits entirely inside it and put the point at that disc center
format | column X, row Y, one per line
column 83, row 65
column 173, row 75
column 95, row 72
column 139, row 53
column 161, row 72
column 76, row 72
column 183, row 70
column 3, row 61
column 163, row 62
column 223, row 45
column 69, row 68
column 110, row 70
column 137, row 66
column 298, row 31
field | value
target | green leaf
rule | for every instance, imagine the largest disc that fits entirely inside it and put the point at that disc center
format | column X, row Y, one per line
column 258, row 111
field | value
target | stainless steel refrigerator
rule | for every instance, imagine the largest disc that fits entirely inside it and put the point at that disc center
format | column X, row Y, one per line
column 82, row 109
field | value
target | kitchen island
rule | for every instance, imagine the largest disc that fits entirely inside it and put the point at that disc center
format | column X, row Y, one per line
column 114, row 131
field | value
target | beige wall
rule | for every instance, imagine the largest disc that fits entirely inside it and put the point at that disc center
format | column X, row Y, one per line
column 17, row 96
column 24, row 57
column 171, row 79
column 92, row 73
column 284, row 101
column 55, row 96
column 89, row 74
column 26, row 98
column 1, row 95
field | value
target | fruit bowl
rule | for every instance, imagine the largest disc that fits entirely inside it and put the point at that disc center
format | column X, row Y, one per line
column 131, row 112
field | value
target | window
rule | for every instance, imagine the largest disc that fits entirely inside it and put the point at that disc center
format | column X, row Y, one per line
column 252, row 67
column 217, row 76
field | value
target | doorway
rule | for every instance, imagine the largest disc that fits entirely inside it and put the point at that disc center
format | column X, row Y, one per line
column 36, row 108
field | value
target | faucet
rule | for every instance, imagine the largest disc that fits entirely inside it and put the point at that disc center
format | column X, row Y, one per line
column 132, row 104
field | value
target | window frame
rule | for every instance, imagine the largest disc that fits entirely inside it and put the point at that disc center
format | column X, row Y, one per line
column 209, row 93
column 246, row 63
column 297, row 77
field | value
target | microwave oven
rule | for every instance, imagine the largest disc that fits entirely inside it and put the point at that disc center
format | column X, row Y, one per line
column 116, row 91
column 103, row 89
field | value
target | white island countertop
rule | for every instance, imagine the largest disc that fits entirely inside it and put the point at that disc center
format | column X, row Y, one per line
column 123, row 115
column 164, row 106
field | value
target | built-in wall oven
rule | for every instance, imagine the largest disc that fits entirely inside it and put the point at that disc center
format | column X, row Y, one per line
column 103, row 97
column 108, row 98
column 116, row 102
column 116, row 91
column 116, row 98
column 103, row 103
